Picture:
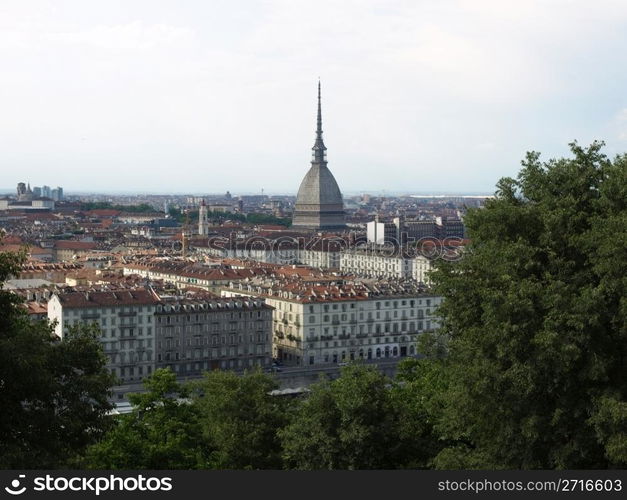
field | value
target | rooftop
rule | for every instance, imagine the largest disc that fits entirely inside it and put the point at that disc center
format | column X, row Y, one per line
column 136, row 297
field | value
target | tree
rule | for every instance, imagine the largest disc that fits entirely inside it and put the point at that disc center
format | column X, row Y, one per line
column 417, row 396
column 54, row 393
column 535, row 315
column 348, row 423
column 99, row 205
column 163, row 431
column 240, row 419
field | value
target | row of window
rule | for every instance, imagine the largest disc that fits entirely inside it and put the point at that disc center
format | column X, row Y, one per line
column 344, row 317
column 212, row 353
column 217, row 316
column 337, row 357
column 369, row 329
column 126, row 372
column 388, row 303
column 130, row 357
column 364, row 329
column 129, row 344
column 126, row 332
column 213, row 327
column 214, row 340
column 107, row 310
column 386, row 352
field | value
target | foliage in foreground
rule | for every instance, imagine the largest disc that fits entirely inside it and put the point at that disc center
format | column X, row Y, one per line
column 54, row 394
column 534, row 317
column 227, row 421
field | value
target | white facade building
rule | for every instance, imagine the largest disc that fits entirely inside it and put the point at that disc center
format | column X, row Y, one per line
column 126, row 320
column 317, row 325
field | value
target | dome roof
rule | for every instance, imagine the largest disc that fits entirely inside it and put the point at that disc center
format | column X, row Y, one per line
column 319, row 188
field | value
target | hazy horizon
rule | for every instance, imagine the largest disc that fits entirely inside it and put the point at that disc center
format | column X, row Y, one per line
column 379, row 192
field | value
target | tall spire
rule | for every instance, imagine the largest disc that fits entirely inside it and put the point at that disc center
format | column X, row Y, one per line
column 319, row 129
column 319, row 150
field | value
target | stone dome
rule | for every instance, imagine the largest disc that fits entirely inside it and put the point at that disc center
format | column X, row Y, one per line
column 319, row 188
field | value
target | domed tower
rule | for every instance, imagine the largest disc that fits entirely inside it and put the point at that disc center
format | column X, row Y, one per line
column 319, row 203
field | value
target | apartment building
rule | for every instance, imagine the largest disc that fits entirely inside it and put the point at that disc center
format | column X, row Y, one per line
column 189, row 333
column 201, row 333
column 376, row 261
column 126, row 320
column 183, row 273
column 325, row 323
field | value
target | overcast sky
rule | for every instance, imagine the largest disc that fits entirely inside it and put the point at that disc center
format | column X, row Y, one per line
column 204, row 96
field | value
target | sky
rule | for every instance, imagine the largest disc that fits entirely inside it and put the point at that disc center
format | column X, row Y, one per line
column 205, row 96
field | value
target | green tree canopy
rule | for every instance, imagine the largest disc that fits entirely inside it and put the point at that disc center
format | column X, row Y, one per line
column 347, row 423
column 163, row 431
column 417, row 396
column 240, row 419
column 534, row 315
column 54, row 394
column 98, row 205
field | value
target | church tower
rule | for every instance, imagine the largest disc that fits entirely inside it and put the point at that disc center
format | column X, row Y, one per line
column 319, row 203
column 203, row 222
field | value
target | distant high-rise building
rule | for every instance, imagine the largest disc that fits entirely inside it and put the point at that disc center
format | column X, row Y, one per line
column 380, row 233
column 54, row 194
column 46, row 192
column 36, row 192
column 60, row 193
column 203, row 222
column 319, row 203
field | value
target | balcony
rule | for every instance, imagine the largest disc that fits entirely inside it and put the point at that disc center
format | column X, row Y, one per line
column 126, row 314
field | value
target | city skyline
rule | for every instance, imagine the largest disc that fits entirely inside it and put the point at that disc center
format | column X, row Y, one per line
column 10, row 191
column 420, row 97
